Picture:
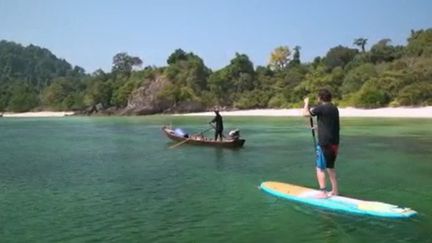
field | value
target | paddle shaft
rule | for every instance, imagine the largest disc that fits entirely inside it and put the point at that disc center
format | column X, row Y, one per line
column 313, row 132
column 206, row 130
column 215, row 129
column 180, row 143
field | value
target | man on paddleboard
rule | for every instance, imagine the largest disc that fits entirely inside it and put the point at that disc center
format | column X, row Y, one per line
column 328, row 139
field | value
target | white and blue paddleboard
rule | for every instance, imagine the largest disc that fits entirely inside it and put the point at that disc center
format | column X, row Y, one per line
column 339, row 203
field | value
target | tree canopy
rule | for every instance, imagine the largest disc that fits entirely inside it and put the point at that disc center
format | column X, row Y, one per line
column 32, row 77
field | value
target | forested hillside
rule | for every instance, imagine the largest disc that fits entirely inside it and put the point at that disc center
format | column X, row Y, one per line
column 362, row 75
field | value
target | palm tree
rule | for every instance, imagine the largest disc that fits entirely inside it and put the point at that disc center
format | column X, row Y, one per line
column 360, row 42
column 296, row 55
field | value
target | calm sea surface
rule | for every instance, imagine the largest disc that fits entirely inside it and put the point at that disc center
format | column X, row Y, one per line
column 114, row 179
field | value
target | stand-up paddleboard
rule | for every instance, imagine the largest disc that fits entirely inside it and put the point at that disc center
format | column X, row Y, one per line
column 309, row 196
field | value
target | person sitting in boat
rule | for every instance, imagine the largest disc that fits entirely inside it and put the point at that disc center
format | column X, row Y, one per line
column 218, row 125
column 181, row 133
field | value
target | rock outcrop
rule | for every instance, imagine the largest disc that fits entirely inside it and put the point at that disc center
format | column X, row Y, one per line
column 147, row 100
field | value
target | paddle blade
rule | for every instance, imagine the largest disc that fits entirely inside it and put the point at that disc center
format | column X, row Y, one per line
column 178, row 144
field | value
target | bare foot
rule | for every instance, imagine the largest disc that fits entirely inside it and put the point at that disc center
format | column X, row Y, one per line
column 321, row 195
column 332, row 193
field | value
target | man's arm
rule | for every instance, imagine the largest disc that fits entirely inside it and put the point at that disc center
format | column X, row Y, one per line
column 305, row 111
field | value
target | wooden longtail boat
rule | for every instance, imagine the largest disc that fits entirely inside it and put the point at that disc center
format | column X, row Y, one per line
column 201, row 140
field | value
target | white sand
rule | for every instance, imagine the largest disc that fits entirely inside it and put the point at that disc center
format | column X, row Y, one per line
column 402, row 112
column 40, row 114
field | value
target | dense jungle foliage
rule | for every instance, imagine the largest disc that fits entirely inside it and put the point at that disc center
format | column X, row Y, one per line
column 32, row 78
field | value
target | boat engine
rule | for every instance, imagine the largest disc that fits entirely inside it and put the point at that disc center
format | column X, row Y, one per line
column 234, row 134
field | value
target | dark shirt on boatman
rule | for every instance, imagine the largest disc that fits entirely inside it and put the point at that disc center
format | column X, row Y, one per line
column 219, row 123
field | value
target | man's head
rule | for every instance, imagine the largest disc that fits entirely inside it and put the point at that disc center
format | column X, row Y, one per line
column 216, row 111
column 324, row 95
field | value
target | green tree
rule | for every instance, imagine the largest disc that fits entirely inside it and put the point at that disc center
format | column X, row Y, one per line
column 360, row 42
column 228, row 83
column 241, row 73
column 23, row 99
column 63, row 94
column 384, row 52
column 280, row 58
column 371, row 96
column 416, row 94
column 314, row 81
column 296, row 56
column 54, row 95
column 356, row 77
column 176, row 56
column 252, row 100
column 187, row 69
column 265, row 77
column 4, row 98
column 33, row 69
column 420, row 43
column 197, row 73
column 99, row 92
column 221, row 87
column 123, row 63
column 339, row 56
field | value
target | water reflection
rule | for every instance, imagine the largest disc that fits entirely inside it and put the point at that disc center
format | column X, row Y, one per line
column 219, row 158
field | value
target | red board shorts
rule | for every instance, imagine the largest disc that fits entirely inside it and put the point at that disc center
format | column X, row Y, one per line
column 326, row 156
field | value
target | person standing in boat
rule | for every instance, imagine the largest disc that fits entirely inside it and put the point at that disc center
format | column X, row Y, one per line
column 217, row 120
column 328, row 139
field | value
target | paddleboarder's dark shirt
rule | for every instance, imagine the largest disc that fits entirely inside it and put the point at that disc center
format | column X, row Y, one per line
column 328, row 123
column 219, row 122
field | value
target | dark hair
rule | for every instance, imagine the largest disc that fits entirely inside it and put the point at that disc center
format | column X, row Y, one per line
column 325, row 95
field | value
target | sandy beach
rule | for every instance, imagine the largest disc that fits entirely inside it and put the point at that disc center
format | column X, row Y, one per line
column 39, row 114
column 399, row 112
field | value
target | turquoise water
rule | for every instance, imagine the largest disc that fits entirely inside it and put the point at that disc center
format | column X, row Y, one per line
column 80, row 179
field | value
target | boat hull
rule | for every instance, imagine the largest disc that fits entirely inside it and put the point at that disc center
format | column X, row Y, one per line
column 237, row 143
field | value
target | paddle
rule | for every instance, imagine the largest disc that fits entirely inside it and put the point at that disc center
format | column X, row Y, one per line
column 213, row 126
column 206, row 130
column 184, row 141
column 180, row 143
column 320, row 163
column 313, row 131
column 306, row 112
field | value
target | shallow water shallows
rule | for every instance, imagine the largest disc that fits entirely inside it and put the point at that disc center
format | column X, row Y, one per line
column 80, row 179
